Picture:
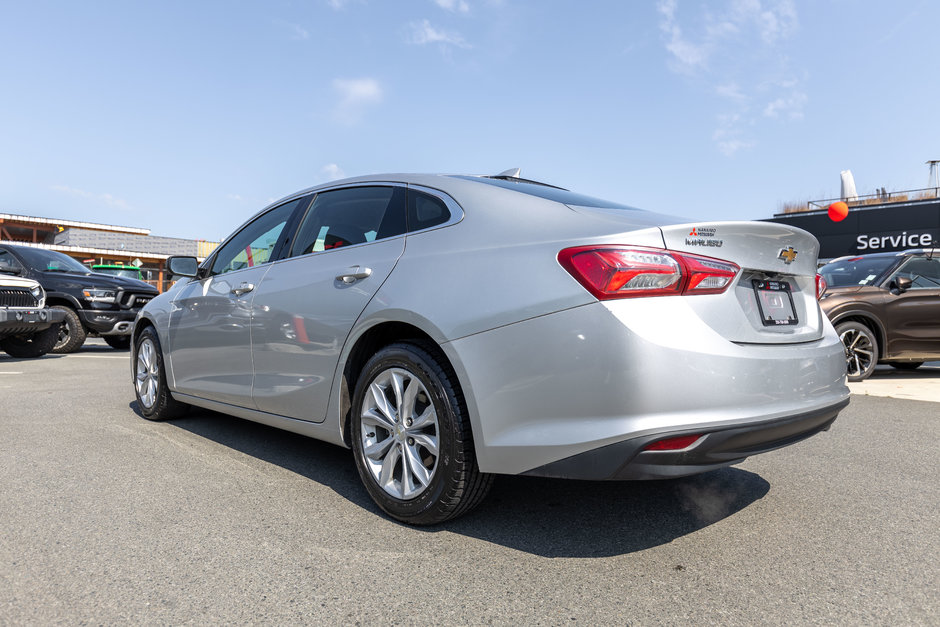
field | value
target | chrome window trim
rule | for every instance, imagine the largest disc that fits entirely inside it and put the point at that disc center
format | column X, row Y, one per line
column 456, row 213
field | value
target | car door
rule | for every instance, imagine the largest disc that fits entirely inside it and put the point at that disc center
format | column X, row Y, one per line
column 347, row 244
column 210, row 321
column 913, row 317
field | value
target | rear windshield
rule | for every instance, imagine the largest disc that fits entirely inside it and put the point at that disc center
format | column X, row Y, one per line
column 550, row 193
column 856, row 271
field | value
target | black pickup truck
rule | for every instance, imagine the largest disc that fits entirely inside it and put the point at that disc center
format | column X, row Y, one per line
column 92, row 303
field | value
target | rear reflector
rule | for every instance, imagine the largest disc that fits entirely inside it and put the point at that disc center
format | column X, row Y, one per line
column 673, row 444
column 620, row 272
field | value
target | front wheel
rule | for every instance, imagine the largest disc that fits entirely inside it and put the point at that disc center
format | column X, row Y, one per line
column 861, row 350
column 71, row 333
column 153, row 395
column 30, row 346
column 411, row 437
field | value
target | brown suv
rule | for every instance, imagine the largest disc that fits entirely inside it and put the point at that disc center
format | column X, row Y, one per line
column 886, row 308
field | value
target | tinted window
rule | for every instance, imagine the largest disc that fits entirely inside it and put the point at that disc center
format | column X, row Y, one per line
column 425, row 211
column 9, row 263
column 345, row 217
column 856, row 271
column 924, row 273
column 254, row 244
column 51, row 261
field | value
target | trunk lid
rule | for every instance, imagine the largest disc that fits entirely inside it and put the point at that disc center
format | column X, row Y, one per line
column 773, row 298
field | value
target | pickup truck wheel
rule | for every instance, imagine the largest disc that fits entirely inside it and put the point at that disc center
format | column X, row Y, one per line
column 71, row 333
column 153, row 396
column 118, row 342
column 29, row 346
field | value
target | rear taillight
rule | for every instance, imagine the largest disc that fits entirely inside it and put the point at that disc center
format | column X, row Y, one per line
column 821, row 286
column 621, row 272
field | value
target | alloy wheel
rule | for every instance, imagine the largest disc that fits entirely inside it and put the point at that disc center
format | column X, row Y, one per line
column 148, row 373
column 399, row 433
column 859, row 351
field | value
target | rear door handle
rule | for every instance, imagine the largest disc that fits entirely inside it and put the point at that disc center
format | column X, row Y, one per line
column 357, row 273
column 244, row 288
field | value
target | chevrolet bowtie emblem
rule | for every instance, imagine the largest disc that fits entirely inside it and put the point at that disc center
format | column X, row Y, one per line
column 788, row 255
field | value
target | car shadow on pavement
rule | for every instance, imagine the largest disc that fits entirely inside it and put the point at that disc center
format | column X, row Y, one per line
column 545, row 517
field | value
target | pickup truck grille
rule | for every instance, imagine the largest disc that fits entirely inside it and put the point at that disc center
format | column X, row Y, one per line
column 131, row 300
column 17, row 297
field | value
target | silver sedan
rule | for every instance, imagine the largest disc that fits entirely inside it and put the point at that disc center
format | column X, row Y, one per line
column 451, row 328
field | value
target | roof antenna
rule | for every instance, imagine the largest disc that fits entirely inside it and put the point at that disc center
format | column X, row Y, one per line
column 510, row 173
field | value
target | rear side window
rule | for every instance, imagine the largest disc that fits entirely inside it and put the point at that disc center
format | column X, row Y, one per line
column 425, row 211
column 345, row 217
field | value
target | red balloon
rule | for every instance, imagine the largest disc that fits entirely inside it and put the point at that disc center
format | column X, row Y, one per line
column 838, row 211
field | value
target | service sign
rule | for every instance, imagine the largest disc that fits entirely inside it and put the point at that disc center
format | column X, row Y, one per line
column 871, row 229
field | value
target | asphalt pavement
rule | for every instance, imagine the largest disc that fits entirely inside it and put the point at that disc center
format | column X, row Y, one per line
column 107, row 518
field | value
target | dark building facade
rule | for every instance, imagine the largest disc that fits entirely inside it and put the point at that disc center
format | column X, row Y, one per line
column 871, row 228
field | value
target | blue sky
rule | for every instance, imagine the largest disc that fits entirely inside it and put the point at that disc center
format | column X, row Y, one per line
column 188, row 117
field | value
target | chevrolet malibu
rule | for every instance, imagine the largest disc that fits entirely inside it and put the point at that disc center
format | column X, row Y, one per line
column 452, row 328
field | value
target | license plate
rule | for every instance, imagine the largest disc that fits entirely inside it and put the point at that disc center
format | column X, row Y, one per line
column 775, row 302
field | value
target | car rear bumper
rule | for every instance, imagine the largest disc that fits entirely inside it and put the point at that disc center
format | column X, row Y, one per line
column 555, row 387
column 714, row 449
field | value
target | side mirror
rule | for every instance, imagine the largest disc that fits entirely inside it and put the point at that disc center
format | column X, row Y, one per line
column 899, row 285
column 182, row 266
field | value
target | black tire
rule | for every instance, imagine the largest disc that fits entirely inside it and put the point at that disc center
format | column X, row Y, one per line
column 71, row 333
column 861, row 350
column 118, row 342
column 29, row 346
column 153, row 396
column 907, row 365
column 444, row 484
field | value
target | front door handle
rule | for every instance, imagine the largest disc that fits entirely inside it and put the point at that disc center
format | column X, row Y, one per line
column 356, row 273
column 244, row 288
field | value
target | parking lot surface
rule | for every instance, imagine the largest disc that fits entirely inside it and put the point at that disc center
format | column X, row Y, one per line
column 108, row 518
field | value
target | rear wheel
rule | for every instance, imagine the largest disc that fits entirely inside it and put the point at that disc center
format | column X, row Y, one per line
column 907, row 365
column 411, row 437
column 861, row 350
column 71, row 333
column 153, row 396
column 29, row 346
column 118, row 342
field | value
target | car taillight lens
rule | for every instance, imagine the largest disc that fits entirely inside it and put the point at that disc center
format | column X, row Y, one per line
column 620, row 272
column 821, row 286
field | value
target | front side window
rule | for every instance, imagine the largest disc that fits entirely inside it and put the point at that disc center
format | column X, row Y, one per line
column 924, row 273
column 254, row 245
column 345, row 217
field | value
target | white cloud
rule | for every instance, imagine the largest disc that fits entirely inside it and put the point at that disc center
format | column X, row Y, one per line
column 737, row 49
column 331, row 172
column 105, row 198
column 338, row 5
column 235, row 197
column 423, row 33
column 791, row 107
column 457, row 6
column 355, row 95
